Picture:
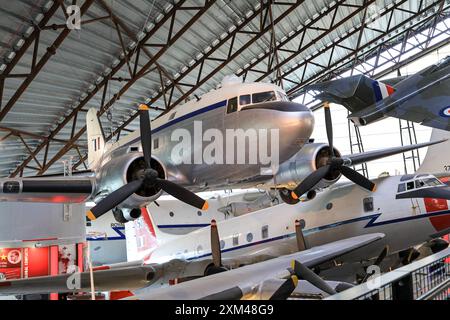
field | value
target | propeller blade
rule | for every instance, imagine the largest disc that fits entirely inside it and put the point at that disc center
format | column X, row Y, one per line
column 382, row 255
column 310, row 181
column 377, row 262
column 113, row 199
column 215, row 245
column 301, row 244
column 329, row 126
column 182, row 194
column 358, row 178
column 146, row 133
column 303, row 272
column 286, row 289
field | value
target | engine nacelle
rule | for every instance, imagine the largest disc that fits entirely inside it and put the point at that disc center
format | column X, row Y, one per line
column 121, row 170
column 311, row 157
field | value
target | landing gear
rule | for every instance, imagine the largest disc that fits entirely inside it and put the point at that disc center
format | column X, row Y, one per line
column 286, row 196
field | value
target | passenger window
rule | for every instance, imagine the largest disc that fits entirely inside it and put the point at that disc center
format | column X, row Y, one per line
column 410, row 185
column 172, row 116
column 232, row 105
column 368, row 204
column 244, row 100
column 235, row 240
column 155, row 143
column 263, row 97
column 401, row 187
column 265, row 232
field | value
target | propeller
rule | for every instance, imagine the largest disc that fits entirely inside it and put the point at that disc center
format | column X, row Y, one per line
column 301, row 243
column 334, row 164
column 146, row 178
column 303, row 272
column 215, row 245
column 286, row 289
column 215, row 251
column 377, row 263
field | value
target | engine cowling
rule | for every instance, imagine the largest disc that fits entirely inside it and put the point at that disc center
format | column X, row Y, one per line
column 311, row 157
column 123, row 169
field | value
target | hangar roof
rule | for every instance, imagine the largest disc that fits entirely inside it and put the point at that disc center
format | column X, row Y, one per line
column 163, row 52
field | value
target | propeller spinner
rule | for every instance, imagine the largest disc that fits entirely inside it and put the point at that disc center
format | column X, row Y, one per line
column 334, row 164
column 146, row 178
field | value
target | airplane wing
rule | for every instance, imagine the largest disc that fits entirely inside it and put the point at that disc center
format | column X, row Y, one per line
column 137, row 277
column 233, row 282
column 50, row 189
column 358, row 158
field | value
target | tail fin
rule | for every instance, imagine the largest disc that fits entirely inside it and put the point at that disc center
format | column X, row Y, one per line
column 148, row 235
column 437, row 159
column 355, row 93
column 96, row 140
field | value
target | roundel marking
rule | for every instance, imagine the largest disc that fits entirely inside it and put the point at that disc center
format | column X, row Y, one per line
column 445, row 112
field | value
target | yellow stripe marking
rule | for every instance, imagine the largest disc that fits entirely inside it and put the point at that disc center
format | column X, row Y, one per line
column 90, row 215
column 294, row 280
column 293, row 264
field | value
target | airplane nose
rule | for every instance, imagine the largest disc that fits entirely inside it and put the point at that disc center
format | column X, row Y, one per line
column 293, row 119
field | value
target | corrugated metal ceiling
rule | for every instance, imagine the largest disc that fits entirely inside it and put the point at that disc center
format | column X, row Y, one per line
column 87, row 56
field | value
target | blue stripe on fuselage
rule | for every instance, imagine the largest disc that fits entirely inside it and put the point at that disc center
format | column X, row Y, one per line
column 182, row 118
column 372, row 218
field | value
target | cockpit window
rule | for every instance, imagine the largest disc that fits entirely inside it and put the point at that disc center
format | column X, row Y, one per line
column 232, row 105
column 419, row 184
column 244, row 100
column 410, row 185
column 401, row 187
column 444, row 62
column 438, row 66
column 433, row 182
column 264, row 97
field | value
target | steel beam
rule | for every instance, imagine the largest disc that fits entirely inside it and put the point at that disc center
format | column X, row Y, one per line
column 264, row 8
column 139, row 74
column 31, row 38
column 328, row 69
column 51, row 50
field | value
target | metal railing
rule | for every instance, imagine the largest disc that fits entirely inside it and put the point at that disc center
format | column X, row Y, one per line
column 426, row 279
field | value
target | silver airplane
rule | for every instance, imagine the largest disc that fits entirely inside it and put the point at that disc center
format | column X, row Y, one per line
column 422, row 98
column 218, row 141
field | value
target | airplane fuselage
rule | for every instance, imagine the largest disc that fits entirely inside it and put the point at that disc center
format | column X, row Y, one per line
column 335, row 214
column 207, row 144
